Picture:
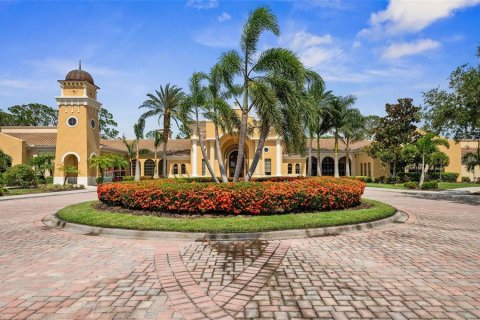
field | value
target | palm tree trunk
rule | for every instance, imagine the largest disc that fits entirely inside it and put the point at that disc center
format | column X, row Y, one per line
column 204, row 152
column 347, row 160
column 258, row 152
column 166, row 132
column 422, row 176
column 223, row 172
column 335, row 156
column 319, row 163
column 309, row 167
column 130, row 165
column 241, row 140
column 137, row 166
column 155, row 171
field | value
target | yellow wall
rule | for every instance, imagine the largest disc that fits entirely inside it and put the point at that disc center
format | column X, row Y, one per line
column 14, row 147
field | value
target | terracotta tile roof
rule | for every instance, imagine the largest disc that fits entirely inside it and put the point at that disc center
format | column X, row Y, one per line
column 327, row 144
column 175, row 147
column 35, row 138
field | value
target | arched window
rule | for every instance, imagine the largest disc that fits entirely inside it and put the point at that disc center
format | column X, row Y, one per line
column 183, row 168
column 149, row 168
column 327, row 166
column 297, row 168
column 290, row 168
column 133, row 166
column 175, row 168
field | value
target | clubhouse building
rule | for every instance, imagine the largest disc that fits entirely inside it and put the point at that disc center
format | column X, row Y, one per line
column 76, row 139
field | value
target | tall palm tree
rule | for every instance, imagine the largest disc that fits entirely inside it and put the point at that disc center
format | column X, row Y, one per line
column 131, row 147
column 265, row 80
column 316, row 119
column 471, row 161
column 138, row 129
column 195, row 102
column 353, row 131
column 165, row 103
column 427, row 148
column 340, row 110
column 219, row 112
column 157, row 139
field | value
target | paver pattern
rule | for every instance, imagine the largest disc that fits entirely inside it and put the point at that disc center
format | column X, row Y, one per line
column 427, row 268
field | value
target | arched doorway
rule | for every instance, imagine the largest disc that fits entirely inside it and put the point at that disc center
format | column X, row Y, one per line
column 70, row 169
column 149, row 168
column 342, row 166
column 327, row 166
column 314, row 166
column 232, row 164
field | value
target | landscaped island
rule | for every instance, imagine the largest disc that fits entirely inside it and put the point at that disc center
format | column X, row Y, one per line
column 272, row 196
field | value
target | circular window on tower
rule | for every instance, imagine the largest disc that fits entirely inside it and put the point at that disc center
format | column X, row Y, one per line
column 72, row 121
column 266, row 149
column 92, row 123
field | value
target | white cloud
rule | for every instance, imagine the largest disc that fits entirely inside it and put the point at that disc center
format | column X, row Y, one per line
column 356, row 44
column 302, row 40
column 312, row 49
column 402, row 16
column 401, row 49
column 224, row 17
column 202, row 4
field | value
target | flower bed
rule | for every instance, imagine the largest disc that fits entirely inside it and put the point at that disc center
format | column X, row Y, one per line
column 299, row 195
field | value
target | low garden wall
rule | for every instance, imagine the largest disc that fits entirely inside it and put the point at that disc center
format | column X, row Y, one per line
column 257, row 197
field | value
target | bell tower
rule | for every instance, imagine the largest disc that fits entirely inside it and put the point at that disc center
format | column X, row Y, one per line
column 78, row 136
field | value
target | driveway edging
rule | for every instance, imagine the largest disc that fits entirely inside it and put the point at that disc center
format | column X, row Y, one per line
column 54, row 221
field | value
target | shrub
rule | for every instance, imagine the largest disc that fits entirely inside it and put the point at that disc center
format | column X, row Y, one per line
column 411, row 185
column 132, row 178
column 49, row 180
column 361, row 178
column 300, row 195
column 466, row 179
column 98, row 180
column 445, row 176
column 117, row 179
column 430, row 185
column 20, row 175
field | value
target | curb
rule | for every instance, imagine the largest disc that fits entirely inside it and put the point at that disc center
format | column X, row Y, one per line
column 55, row 222
column 44, row 194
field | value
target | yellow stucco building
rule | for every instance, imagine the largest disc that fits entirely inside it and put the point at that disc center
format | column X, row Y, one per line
column 76, row 139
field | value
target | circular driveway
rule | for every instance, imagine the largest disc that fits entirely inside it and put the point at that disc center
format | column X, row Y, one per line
column 427, row 268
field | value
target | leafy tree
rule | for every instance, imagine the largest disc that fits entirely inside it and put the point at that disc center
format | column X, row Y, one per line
column 6, row 119
column 138, row 129
column 106, row 161
column 396, row 129
column 352, row 131
column 33, row 114
column 43, row 163
column 426, row 147
column 341, row 112
column 5, row 161
column 184, row 132
column 165, row 103
column 107, row 125
column 456, row 113
column 269, row 81
column 195, row 103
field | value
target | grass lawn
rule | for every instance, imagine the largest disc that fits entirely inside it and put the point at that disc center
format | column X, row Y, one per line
column 84, row 213
column 441, row 185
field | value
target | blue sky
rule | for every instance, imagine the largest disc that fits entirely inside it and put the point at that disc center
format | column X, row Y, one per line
column 376, row 50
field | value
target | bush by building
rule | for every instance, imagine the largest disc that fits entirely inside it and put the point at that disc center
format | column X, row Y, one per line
column 20, row 175
column 430, row 185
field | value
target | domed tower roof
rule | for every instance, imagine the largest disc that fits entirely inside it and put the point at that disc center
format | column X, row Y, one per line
column 79, row 75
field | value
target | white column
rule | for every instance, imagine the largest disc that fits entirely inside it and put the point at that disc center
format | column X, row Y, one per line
column 212, row 154
column 194, row 158
column 279, row 158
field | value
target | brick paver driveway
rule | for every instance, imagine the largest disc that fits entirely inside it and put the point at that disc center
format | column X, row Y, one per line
column 426, row 268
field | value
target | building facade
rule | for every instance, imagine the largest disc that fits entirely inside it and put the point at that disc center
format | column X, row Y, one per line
column 76, row 139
